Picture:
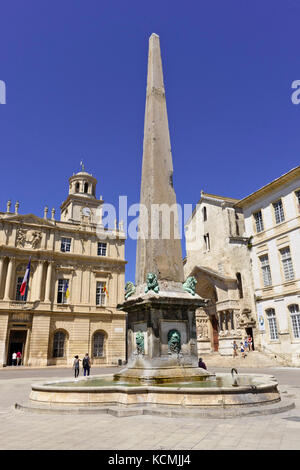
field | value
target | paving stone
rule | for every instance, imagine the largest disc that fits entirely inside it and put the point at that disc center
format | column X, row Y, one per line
column 20, row 430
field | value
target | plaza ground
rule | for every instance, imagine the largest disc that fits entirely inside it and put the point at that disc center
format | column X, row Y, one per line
column 23, row 430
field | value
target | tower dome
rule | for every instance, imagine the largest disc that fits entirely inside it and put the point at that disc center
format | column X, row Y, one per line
column 81, row 204
column 83, row 184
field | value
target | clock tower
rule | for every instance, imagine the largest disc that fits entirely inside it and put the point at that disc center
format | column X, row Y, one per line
column 81, row 204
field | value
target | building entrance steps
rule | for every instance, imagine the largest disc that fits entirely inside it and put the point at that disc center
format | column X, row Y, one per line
column 252, row 359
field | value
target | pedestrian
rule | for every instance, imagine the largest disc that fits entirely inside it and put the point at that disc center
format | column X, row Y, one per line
column 246, row 344
column 250, row 343
column 201, row 364
column 86, row 364
column 242, row 349
column 235, row 348
column 76, row 366
column 14, row 358
column 19, row 357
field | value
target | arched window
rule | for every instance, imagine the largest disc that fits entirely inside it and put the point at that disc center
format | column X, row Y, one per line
column 204, row 211
column 239, row 285
column 18, row 287
column 295, row 317
column 77, row 186
column 272, row 323
column 86, row 187
column 206, row 242
column 98, row 344
column 59, row 341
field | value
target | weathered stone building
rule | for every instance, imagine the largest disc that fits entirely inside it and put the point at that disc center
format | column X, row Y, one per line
column 272, row 220
column 217, row 254
column 245, row 255
column 76, row 281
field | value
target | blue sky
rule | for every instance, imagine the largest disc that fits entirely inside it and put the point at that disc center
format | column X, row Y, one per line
column 75, row 73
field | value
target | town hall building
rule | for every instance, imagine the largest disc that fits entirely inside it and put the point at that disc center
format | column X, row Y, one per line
column 77, row 272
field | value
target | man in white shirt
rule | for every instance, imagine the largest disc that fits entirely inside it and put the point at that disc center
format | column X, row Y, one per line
column 14, row 359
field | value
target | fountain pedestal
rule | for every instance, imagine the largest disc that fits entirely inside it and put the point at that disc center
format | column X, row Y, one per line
column 162, row 341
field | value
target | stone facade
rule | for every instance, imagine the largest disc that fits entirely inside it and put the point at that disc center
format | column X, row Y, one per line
column 76, row 281
column 245, row 255
column 272, row 220
column 219, row 258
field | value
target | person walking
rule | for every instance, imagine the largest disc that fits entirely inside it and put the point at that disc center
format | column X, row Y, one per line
column 242, row 349
column 19, row 357
column 14, row 358
column 235, row 348
column 86, row 364
column 246, row 345
column 250, row 343
column 76, row 366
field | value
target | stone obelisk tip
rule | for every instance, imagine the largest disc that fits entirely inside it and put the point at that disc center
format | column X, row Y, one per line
column 159, row 253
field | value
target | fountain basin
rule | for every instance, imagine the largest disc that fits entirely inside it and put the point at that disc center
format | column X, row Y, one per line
column 99, row 391
column 162, row 375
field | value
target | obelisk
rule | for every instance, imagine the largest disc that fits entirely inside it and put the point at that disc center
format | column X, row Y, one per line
column 158, row 246
column 161, row 336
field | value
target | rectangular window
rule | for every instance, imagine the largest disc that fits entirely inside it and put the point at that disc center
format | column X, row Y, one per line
column 102, row 249
column 59, row 344
column 258, row 221
column 62, row 291
column 266, row 271
column 298, row 199
column 278, row 210
column 272, row 323
column 296, row 325
column 287, row 264
column 295, row 317
column 65, row 245
column 98, row 349
column 207, row 242
column 18, row 295
column 100, row 293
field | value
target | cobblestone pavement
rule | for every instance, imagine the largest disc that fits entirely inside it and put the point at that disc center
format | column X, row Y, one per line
column 21, row 430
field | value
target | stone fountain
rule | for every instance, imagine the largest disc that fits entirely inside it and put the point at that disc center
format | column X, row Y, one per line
column 162, row 372
column 162, row 342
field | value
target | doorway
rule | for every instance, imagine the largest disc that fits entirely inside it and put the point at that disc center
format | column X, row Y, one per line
column 215, row 335
column 17, row 341
column 249, row 332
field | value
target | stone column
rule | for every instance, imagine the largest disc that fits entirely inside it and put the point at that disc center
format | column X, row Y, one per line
column 40, row 280
column 9, row 278
column 48, row 282
column 1, row 273
column 3, row 338
column 231, row 316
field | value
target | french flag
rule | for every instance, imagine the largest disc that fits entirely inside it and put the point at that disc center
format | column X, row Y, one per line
column 25, row 279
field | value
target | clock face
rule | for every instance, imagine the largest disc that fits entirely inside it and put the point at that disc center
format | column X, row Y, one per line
column 86, row 211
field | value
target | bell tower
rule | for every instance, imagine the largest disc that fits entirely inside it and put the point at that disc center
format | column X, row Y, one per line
column 81, row 204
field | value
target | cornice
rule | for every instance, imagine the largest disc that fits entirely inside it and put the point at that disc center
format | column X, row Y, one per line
column 85, row 200
column 270, row 187
column 56, row 225
column 55, row 255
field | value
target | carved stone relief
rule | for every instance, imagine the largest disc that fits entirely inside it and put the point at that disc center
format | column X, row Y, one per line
column 202, row 328
column 28, row 238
